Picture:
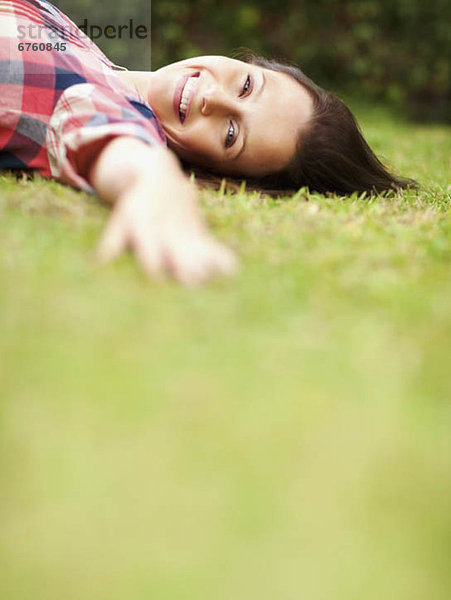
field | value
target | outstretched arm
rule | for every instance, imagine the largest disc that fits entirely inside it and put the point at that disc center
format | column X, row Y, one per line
column 155, row 213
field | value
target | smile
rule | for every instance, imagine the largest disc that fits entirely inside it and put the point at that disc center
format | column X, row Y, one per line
column 184, row 95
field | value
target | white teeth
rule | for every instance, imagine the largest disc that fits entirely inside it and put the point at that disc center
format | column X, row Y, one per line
column 186, row 94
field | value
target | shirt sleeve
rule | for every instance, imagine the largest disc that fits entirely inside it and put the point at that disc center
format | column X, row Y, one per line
column 85, row 118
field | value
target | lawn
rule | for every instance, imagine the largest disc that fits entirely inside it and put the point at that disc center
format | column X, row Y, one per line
column 283, row 435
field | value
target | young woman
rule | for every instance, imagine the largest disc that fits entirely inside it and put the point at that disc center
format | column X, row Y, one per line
column 69, row 113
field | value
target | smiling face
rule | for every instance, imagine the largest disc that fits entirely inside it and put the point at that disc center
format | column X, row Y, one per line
column 236, row 118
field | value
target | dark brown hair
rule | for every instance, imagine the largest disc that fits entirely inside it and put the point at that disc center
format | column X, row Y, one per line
column 331, row 156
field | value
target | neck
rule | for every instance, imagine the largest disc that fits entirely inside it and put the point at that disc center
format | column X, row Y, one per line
column 139, row 80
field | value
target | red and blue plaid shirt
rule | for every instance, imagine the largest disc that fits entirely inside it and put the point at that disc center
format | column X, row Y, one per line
column 60, row 105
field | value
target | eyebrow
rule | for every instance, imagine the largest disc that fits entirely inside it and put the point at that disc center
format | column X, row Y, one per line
column 245, row 128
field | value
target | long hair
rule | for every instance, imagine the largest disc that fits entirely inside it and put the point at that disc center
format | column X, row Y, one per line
column 331, row 154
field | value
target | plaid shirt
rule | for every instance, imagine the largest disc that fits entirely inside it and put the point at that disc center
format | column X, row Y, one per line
column 60, row 105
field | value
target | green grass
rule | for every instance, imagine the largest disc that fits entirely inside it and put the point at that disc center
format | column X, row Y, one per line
column 280, row 436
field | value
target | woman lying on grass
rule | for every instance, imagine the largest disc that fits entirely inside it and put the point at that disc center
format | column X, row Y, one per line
column 68, row 112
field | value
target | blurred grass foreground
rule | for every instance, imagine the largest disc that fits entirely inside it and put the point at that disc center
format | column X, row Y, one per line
column 281, row 436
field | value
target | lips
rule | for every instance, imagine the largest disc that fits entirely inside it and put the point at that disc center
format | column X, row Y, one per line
column 178, row 95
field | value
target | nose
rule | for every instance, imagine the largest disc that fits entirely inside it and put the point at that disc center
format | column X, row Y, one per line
column 215, row 100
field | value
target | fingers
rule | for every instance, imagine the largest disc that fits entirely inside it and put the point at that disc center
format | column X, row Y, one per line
column 201, row 259
column 227, row 262
column 150, row 257
column 165, row 246
column 113, row 240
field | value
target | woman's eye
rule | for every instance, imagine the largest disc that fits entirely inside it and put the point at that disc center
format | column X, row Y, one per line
column 230, row 137
column 246, row 86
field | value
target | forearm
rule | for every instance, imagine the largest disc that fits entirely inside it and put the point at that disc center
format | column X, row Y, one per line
column 125, row 162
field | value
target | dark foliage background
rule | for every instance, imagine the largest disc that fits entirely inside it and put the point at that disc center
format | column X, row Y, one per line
column 392, row 50
column 132, row 53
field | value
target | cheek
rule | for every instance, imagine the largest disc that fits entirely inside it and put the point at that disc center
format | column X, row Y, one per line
column 200, row 144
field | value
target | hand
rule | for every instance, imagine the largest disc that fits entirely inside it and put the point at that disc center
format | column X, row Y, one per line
column 163, row 227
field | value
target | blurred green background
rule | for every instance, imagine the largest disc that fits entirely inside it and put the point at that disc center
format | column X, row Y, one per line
column 397, row 51
column 280, row 436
